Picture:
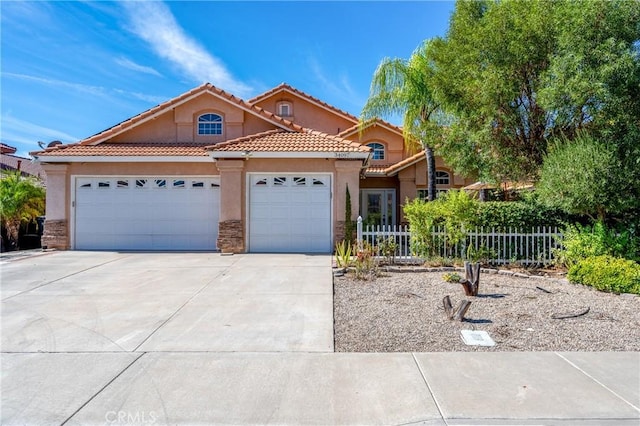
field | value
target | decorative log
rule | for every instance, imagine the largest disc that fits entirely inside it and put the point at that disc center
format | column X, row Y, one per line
column 459, row 312
column 571, row 315
column 471, row 282
column 462, row 309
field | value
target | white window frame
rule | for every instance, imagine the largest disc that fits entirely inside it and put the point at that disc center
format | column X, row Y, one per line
column 211, row 127
column 378, row 150
column 281, row 109
column 443, row 177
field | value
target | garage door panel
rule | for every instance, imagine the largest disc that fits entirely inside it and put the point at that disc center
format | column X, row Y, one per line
column 282, row 212
column 146, row 213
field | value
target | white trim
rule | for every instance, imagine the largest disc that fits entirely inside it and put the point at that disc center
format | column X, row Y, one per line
column 121, row 159
column 73, row 182
column 247, row 201
column 290, row 154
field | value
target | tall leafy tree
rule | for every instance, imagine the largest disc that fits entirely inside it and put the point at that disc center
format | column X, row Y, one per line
column 21, row 199
column 516, row 74
column 403, row 87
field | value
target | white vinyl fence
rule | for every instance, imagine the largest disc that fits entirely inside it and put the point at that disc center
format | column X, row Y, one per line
column 533, row 246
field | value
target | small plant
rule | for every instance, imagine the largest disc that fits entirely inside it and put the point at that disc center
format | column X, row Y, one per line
column 451, row 277
column 388, row 247
column 482, row 254
column 365, row 264
column 607, row 273
column 344, row 250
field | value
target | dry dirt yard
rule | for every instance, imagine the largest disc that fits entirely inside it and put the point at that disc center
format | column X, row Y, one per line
column 403, row 312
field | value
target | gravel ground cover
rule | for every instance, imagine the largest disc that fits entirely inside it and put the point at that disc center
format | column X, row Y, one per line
column 403, row 312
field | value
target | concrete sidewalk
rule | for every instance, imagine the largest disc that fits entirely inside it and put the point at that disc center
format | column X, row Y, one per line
column 186, row 338
column 321, row 388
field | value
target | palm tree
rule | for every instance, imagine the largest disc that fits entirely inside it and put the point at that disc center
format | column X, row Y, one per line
column 21, row 199
column 403, row 86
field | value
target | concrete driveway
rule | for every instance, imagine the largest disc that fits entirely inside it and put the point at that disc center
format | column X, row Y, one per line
column 124, row 302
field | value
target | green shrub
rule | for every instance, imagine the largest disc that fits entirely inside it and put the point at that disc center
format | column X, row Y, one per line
column 388, row 247
column 607, row 273
column 518, row 214
column 580, row 242
column 454, row 210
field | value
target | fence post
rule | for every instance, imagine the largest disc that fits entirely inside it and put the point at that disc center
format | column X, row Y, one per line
column 359, row 233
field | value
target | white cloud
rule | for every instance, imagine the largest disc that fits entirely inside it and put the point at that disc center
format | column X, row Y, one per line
column 85, row 88
column 339, row 88
column 93, row 90
column 127, row 63
column 25, row 135
column 154, row 23
column 152, row 99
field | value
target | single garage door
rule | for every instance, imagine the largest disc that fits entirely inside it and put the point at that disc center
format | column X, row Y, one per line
column 146, row 213
column 290, row 213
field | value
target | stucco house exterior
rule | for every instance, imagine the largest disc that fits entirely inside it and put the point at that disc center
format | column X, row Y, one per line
column 207, row 170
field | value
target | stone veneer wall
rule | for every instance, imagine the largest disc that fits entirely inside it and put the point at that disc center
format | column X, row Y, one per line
column 339, row 231
column 55, row 234
column 231, row 236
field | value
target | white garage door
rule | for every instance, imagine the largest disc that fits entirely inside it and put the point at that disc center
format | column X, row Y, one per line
column 146, row 213
column 290, row 213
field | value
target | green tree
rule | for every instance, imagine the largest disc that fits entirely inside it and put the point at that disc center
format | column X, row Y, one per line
column 403, row 86
column 514, row 75
column 21, row 199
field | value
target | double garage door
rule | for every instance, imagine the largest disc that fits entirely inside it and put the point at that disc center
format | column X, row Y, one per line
column 290, row 213
column 146, row 213
column 286, row 213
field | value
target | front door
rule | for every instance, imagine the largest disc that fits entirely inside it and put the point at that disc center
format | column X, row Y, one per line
column 378, row 206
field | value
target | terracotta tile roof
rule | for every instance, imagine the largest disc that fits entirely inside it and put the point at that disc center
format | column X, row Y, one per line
column 205, row 88
column 375, row 122
column 390, row 171
column 283, row 141
column 124, row 149
column 377, row 170
column 286, row 87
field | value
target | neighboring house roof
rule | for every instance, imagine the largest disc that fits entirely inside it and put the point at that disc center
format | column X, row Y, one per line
column 116, row 151
column 284, row 87
column 6, row 149
column 165, row 106
column 275, row 143
column 506, row 186
column 11, row 162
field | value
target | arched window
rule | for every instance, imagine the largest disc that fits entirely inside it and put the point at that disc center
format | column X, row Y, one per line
column 442, row 177
column 210, row 124
column 378, row 150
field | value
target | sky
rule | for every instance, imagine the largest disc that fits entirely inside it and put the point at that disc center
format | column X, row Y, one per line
column 70, row 69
